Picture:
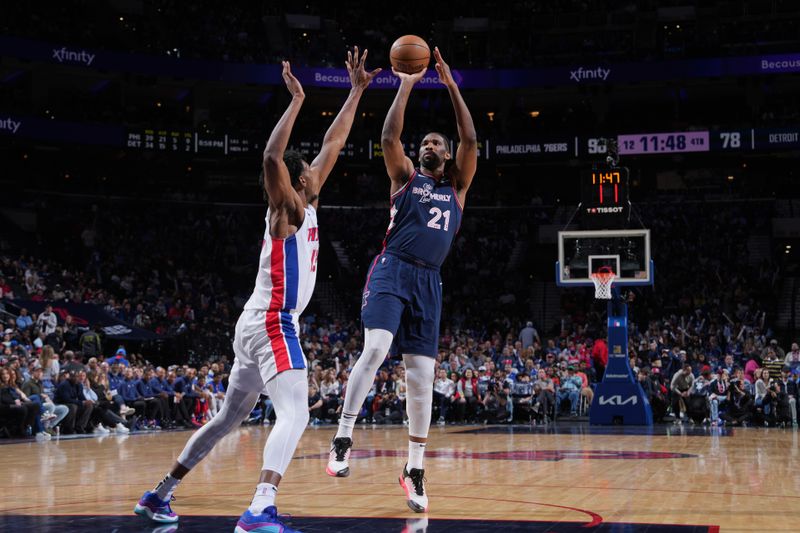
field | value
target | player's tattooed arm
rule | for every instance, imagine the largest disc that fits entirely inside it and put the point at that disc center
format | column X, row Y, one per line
column 398, row 165
column 277, row 182
column 337, row 133
column 466, row 162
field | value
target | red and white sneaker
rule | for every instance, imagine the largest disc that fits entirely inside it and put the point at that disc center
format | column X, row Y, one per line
column 413, row 484
column 339, row 460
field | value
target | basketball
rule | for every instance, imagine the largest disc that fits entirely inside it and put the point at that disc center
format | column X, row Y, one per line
column 410, row 54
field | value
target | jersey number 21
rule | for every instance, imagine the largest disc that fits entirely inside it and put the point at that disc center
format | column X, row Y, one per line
column 437, row 215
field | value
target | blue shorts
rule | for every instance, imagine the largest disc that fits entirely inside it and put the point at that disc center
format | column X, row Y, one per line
column 405, row 299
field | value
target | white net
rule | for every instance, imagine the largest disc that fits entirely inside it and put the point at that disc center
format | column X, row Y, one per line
column 602, row 284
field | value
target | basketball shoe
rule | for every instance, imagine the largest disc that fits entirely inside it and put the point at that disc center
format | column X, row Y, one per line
column 413, row 484
column 156, row 509
column 339, row 460
column 267, row 522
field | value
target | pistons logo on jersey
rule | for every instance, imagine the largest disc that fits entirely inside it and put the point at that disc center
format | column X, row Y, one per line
column 313, row 236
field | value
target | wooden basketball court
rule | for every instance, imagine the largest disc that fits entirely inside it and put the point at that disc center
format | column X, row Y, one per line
column 561, row 478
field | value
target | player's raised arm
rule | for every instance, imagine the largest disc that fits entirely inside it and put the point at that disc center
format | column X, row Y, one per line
column 398, row 165
column 339, row 129
column 466, row 162
column 277, row 182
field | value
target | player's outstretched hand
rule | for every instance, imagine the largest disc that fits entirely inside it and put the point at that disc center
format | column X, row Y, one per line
column 359, row 77
column 443, row 69
column 292, row 83
column 409, row 78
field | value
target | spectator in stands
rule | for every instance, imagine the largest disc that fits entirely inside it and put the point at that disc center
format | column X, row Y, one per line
column 522, row 397
column 70, row 329
column 217, row 389
column 330, row 390
column 570, row 389
column 101, row 413
column 773, row 362
column 788, row 387
column 739, row 403
column 34, row 388
column 718, row 395
column 544, row 389
column 179, row 404
column 17, row 406
column 443, row 392
column 23, row 320
column 315, row 404
column 792, row 359
column 600, row 357
column 467, row 397
column 155, row 403
column 119, row 357
column 130, row 394
column 201, row 405
column 727, row 364
column 50, row 369
column 387, row 409
column 47, row 321
column 72, row 362
column 586, row 374
column 779, row 352
column 90, row 342
column 750, row 369
column 680, row 388
column 70, row 394
column 56, row 339
column 528, row 335
column 763, row 398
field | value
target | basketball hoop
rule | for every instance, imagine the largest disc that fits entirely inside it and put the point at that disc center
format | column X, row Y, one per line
column 603, row 279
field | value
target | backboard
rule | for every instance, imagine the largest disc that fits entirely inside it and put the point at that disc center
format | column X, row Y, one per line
column 626, row 252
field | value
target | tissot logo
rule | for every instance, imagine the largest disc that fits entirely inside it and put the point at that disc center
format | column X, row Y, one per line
column 593, row 210
column 617, row 400
column 582, row 74
column 10, row 124
column 80, row 56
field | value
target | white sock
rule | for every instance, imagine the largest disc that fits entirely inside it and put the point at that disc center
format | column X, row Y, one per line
column 166, row 487
column 416, row 454
column 263, row 498
column 346, row 424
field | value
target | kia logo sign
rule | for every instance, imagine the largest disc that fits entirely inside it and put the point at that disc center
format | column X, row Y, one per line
column 617, row 400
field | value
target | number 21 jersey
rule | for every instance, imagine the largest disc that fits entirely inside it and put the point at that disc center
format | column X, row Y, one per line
column 424, row 218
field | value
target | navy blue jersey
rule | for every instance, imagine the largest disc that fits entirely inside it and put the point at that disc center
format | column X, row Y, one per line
column 424, row 219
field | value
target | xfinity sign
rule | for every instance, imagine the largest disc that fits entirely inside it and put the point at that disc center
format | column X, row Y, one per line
column 582, row 74
column 617, row 400
column 9, row 124
column 62, row 54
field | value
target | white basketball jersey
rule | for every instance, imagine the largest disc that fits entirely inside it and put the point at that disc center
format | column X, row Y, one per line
column 287, row 269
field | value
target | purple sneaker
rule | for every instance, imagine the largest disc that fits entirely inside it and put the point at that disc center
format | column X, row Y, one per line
column 266, row 522
column 156, row 509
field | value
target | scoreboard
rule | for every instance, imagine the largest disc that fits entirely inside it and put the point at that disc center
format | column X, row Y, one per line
column 189, row 142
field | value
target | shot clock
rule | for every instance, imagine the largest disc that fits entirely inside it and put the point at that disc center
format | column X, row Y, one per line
column 604, row 197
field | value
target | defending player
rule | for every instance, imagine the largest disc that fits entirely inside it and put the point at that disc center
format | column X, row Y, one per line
column 267, row 349
column 402, row 297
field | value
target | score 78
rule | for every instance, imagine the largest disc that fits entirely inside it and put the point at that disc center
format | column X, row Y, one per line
column 730, row 139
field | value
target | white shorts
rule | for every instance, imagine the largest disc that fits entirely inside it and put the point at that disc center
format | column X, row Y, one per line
column 265, row 344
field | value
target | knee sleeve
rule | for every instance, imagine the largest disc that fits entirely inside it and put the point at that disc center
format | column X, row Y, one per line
column 419, row 378
column 376, row 346
column 289, row 394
